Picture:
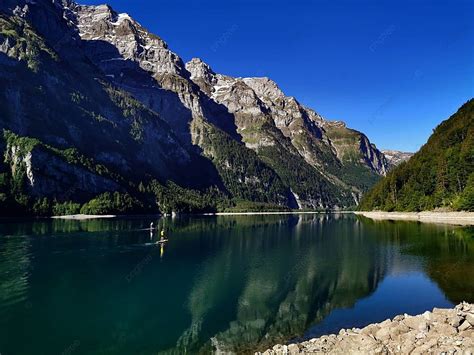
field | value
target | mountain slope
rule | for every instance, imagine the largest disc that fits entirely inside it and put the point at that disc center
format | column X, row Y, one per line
column 141, row 63
column 441, row 174
column 102, row 27
column 59, row 98
column 281, row 130
column 115, row 110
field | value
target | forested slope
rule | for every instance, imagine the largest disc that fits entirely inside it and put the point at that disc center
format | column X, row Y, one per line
column 440, row 175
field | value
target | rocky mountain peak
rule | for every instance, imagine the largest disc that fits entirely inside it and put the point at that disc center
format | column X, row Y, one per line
column 200, row 69
column 101, row 12
column 265, row 88
column 101, row 24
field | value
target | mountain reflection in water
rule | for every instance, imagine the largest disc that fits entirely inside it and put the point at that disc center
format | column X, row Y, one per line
column 230, row 283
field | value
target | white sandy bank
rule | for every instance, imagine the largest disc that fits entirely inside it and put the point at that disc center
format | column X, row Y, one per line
column 81, row 217
column 458, row 218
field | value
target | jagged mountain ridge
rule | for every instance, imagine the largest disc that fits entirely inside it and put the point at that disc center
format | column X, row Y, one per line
column 273, row 145
column 251, row 98
column 133, row 41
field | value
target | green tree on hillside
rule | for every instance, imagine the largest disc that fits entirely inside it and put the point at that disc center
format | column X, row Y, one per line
column 440, row 175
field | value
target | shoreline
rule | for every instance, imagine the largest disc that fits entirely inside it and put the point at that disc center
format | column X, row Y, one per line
column 83, row 217
column 271, row 213
column 443, row 330
column 86, row 216
column 456, row 218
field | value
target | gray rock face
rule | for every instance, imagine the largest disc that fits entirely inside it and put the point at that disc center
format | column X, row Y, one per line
column 443, row 331
column 48, row 175
column 56, row 177
column 141, row 63
column 132, row 41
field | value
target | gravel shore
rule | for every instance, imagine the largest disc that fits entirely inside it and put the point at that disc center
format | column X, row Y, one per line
column 442, row 331
column 458, row 218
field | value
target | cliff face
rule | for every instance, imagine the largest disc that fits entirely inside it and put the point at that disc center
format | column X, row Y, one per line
column 49, row 175
column 88, row 78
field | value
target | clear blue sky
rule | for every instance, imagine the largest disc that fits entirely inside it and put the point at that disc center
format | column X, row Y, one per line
column 391, row 69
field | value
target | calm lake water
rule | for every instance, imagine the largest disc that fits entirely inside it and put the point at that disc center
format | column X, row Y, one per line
column 233, row 283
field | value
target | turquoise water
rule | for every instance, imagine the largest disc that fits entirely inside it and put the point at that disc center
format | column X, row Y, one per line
column 233, row 283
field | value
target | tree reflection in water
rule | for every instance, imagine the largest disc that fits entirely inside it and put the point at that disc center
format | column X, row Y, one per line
column 233, row 283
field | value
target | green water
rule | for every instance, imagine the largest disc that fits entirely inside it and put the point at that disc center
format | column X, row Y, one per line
column 234, row 283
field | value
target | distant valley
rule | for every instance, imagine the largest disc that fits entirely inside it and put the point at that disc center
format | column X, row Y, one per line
column 396, row 157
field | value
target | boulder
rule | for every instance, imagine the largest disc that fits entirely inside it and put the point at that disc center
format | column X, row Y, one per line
column 383, row 334
column 293, row 349
column 417, row 323
column 464, row 326
column 455, row 321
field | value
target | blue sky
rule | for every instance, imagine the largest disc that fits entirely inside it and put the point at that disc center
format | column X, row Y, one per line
column 391, row 69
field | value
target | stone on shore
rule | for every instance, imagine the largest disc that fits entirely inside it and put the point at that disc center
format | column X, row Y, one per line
column 449, row 331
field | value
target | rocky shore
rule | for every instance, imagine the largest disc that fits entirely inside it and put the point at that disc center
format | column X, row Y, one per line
column 442, row 331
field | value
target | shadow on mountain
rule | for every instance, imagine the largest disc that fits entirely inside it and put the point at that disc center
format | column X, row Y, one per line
column 128, row 75
column 78, row 108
